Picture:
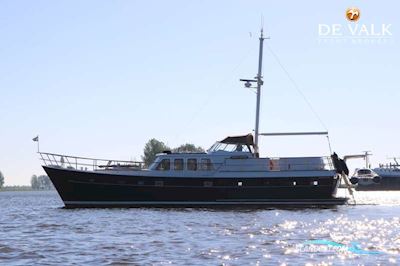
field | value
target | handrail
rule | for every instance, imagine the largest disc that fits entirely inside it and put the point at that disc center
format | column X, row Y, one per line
column 87, row 158
column 294, row 133
column 74, row 162
column 270, row 164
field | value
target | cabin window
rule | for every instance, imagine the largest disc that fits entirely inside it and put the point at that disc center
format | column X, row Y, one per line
column 178, row 164
column 364, row 172
column 163, row 165
column 192, row 164
column 206, row 164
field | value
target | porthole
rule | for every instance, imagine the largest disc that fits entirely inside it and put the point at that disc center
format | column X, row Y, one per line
column 208, row 183
column 159, row 183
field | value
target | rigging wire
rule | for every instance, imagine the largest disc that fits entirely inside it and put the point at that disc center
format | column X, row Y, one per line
column 297, row 88
column 329, row 144
column 211, row 96
column 275, row 56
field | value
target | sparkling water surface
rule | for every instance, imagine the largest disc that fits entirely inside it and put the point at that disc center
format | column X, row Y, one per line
column 35, row 229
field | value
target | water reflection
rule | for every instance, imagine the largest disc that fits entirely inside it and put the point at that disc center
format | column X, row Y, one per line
column 35, row 230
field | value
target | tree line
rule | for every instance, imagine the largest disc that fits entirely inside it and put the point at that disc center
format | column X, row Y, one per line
column 155, row 146
column 41, row 182
column 1, row 179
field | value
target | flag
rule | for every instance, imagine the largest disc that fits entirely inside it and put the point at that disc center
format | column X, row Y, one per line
column 36, row 138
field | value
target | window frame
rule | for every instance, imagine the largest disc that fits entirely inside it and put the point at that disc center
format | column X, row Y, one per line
column 206, row 164
column 182, row 164
column 161, row 164
column 188, row 163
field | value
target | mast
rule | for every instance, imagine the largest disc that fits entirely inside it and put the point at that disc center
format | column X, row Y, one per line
column 258, row 79
column 248, row 83
column 259, row 84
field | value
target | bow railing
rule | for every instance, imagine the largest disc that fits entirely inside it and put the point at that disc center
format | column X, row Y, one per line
column 87, row 164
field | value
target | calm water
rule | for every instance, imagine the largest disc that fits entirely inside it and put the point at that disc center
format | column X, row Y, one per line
column 34, row 229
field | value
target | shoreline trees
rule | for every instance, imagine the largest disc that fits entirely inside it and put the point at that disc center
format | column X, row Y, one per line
column 154, row 146
column 1, row 179
column 41, row 182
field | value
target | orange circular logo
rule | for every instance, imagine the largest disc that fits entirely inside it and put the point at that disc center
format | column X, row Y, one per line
column 353, row 14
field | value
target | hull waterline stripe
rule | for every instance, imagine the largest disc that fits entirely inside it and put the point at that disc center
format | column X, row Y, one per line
column 334, row 201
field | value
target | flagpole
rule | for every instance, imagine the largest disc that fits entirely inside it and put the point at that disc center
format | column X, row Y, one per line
column 36, row 139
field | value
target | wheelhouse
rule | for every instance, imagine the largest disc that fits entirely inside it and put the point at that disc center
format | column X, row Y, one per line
column 230, row 147
column 234, row 144
column 234, row 154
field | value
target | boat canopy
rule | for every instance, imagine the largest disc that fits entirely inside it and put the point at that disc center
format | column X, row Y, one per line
column 234, row 144
column 244, row 140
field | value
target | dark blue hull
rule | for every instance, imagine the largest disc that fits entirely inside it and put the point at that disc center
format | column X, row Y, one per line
column 91, row 189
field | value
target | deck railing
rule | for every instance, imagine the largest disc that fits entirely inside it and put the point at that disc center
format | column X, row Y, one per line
column 86, row 164
column 230, row 164
column 284, row 164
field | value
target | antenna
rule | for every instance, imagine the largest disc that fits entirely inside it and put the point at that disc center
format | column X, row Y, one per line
column 367, row 154
column 262, row 22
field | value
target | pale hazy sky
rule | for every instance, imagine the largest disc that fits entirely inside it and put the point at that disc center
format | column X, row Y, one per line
column 100, row 78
